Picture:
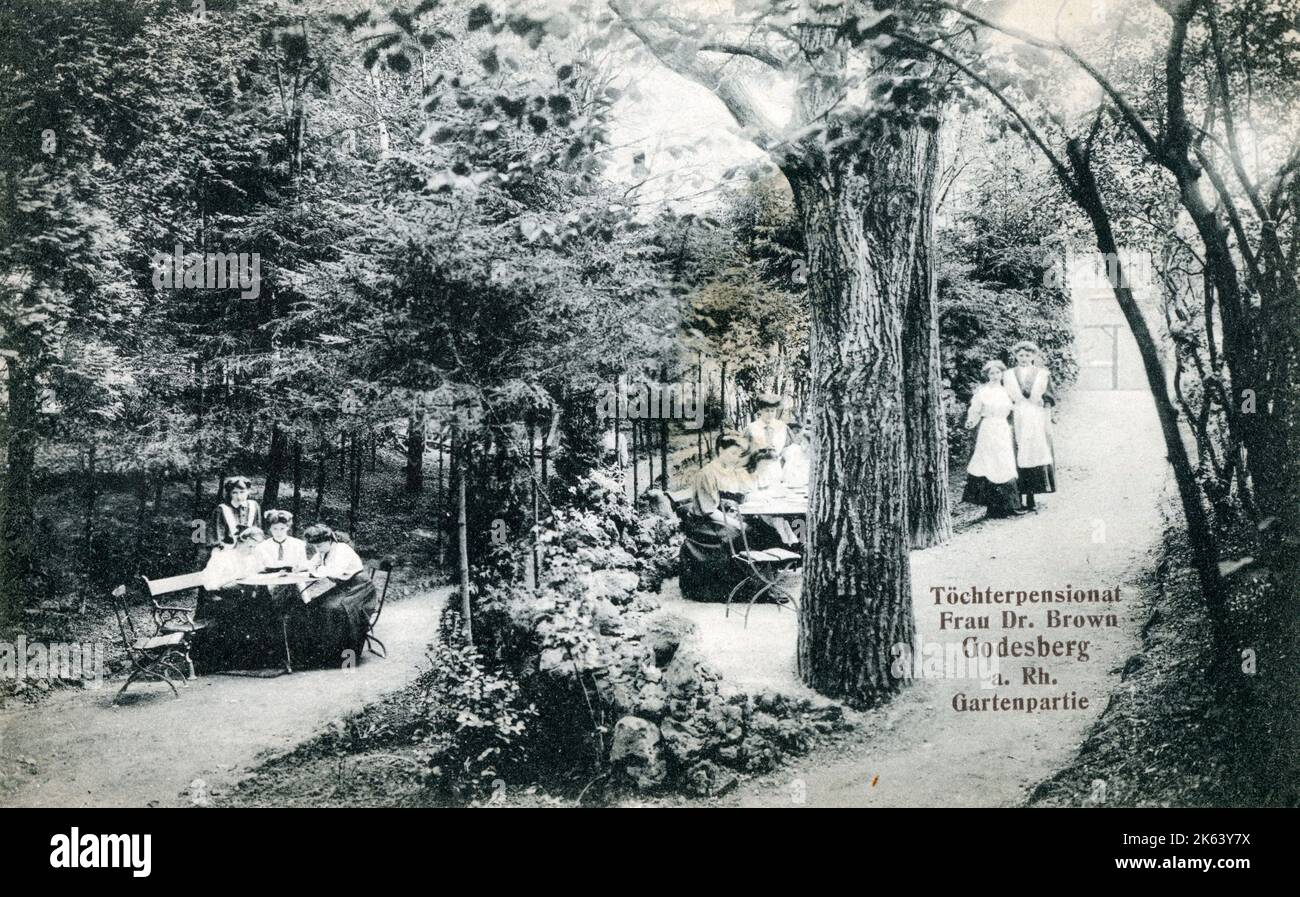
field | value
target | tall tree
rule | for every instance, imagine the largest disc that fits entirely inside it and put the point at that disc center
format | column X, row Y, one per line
column 929, row 507
column 854, row 154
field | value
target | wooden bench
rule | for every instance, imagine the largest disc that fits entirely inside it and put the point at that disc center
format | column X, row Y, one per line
column 175, row 619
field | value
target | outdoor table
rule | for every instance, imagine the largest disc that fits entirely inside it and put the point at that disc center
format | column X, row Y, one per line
column 303, row 586
column 775, row 502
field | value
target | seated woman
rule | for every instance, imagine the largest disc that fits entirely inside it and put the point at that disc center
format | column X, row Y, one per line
column 713, row 529
column 764, row 468
column 244, row 630
column 329, row 623
column 229, row 563
column 795, row 460
column 707, row 573
column 282, row 551
column 767, row 430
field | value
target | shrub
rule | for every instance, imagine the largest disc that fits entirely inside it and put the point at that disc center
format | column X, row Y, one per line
column 479, row 716
column 609, row 678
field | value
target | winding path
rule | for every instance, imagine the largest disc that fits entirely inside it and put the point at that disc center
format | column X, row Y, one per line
column 79, row 749
column 1100, row 530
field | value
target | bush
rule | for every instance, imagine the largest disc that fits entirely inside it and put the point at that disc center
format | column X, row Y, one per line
column 610, row 680
column 479, row 716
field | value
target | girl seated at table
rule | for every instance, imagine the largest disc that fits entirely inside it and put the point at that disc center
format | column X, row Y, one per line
column 244, row 630
column 795, row 461
column 328, row 625
column 282, row 551
column 764, row 468
column 229, row 563
column 767, row 430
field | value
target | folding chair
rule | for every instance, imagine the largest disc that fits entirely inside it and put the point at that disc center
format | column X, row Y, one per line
column 173, row 618
column 763, row 568
column 386, row 567
column 151, row 657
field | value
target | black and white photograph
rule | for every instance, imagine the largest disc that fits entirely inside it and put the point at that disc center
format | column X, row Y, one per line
column 650, row 404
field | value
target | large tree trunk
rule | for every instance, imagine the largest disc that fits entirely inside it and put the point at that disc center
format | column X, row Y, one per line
column 929, row 510
column 16, row 527
column 860, row 230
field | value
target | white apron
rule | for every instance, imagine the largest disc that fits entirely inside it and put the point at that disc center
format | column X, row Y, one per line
column 1033, row 421
column 994, row 457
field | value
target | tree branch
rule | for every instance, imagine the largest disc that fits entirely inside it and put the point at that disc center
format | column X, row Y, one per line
column 1061, row 169
column 1126, row 109
column 762, row 54
column 677, row 55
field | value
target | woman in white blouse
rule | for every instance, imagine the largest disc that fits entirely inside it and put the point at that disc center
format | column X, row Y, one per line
column 281, row 551
column 329, row 628
column 334, row 558
column 795, row 461
column 991, row 475
column 228, row 564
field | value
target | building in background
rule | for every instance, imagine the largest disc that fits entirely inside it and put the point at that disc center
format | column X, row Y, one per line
column 1108, row 354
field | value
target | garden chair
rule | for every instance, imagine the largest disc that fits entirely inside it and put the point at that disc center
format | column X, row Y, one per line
column 386, row 567
column 763, row 568
column 173, row 618
column 151, row 657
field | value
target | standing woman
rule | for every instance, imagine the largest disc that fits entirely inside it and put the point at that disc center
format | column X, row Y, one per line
column 991, row 475
column 1029, row 386
column 236, row 513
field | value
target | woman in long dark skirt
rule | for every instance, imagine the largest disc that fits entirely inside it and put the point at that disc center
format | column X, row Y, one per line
column 991, row 473
column 1030, row 388
column 714, row 530
column 329, row 628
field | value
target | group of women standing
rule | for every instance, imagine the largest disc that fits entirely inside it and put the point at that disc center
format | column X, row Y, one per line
column 1013, row 458
column 251, row 626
